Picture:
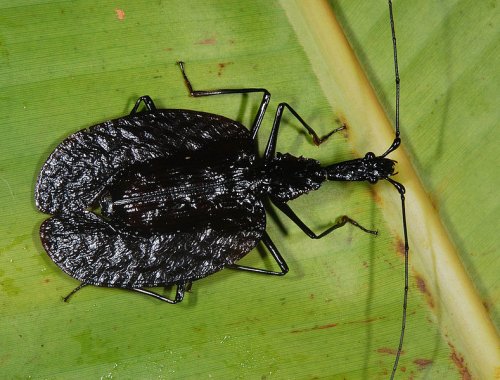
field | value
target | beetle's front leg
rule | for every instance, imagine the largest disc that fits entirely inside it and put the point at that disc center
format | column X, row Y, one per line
column 342, row 221
column 271, row 144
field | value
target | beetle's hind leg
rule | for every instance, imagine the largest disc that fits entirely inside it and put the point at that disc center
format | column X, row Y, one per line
column 66, row 299
column 276, row 255
column 225, row 91
column 179, row 294
column 148, row 103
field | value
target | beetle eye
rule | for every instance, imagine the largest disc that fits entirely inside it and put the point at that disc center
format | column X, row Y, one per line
column 369, row 156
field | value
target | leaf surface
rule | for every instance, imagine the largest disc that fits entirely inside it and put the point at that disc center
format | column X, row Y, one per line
column 67, row 65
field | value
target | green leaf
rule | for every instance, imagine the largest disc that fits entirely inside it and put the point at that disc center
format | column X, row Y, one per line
column 67, row 65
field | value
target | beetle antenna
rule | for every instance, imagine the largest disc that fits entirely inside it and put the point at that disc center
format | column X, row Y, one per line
column 397, row 141
column 401, row 190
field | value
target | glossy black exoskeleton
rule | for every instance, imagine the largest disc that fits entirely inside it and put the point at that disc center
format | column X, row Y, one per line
column 167, row 196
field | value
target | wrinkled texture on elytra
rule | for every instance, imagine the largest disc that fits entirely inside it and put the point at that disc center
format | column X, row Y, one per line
column 161, row 197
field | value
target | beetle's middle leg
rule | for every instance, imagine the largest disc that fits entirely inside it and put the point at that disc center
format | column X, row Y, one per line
column 263, row 104
column 148, row 103
column 276, row 255
column 271, row 144
column 342, row 221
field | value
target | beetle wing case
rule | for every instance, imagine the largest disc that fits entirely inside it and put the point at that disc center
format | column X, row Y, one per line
column 94, row 250
column 81, row 166
column 89, row 249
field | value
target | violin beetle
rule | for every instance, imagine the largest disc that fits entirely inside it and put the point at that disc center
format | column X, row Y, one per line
column 163, row 197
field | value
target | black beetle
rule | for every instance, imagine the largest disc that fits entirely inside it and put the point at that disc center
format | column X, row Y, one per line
column 167, row 196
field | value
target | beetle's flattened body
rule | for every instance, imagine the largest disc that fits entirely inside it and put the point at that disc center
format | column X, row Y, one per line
column 178, row 196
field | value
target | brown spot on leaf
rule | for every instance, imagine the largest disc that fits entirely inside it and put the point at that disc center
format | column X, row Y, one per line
column 460, row 363
column 330, row 325
column 421, row 285
column 207, row 41
column 387, row 350
column 400, row 246
column 321, row 327
column 422, row 363
column 222, row 66
column 486, row 306
column 120, row 14
column 363, row 321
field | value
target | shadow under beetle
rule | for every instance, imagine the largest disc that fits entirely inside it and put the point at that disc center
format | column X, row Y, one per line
column 168, row 196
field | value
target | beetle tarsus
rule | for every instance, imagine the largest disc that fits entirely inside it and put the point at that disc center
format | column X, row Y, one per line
column 148, row 103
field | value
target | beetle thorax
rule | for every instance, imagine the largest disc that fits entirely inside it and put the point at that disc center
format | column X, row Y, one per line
column 289, row 177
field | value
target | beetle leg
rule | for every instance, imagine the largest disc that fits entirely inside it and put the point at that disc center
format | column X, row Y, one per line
column 276, row 255
column 271, row 144
column 83, row 284
column 179, row 294
column 263, row 104
column 148, row 103
column 341, row 221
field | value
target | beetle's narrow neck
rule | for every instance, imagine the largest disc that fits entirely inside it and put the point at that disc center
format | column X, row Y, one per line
column 346, row 171
column 369, row 168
